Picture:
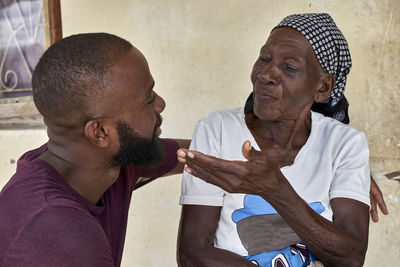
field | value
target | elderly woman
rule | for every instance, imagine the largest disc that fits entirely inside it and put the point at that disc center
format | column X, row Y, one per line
column 297, row 191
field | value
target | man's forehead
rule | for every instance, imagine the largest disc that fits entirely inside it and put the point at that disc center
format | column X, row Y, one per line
column 132, row 66
column 133, row 59
column 132, row 74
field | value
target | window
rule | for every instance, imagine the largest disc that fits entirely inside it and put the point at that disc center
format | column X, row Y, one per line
column 27, row 27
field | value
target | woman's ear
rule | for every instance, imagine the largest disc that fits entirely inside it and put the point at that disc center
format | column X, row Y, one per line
column 327, row 83
column 97, row 131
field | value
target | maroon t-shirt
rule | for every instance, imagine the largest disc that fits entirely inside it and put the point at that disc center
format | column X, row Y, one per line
column 44, row 222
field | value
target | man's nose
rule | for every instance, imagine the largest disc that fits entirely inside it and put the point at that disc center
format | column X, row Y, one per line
column 159, row 104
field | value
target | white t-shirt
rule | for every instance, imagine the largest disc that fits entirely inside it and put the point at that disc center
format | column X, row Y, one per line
column 333, row 163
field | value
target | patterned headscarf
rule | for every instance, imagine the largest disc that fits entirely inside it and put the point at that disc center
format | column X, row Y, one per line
column 332, row 52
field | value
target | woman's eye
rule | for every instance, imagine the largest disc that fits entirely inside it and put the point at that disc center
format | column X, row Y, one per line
column 290, row 68
column 264, row 59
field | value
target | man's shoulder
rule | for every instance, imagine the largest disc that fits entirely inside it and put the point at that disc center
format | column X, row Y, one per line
column 57, row 235
column 60, row 217
column 35, row 186
column 30, row 156
column 30, row 198
column 30, row 173
column 32, row 216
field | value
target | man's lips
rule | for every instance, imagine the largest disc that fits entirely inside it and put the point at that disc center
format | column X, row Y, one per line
column 157, row 129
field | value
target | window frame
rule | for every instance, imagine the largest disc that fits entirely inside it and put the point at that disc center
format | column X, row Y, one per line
column 20, row 112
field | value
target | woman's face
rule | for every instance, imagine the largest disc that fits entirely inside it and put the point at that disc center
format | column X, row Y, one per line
column 285, row 77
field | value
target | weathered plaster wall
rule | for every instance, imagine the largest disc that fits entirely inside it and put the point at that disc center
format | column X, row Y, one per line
column 12, row 145
column 201, row 54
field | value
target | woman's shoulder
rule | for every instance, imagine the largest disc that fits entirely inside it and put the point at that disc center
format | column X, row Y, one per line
column 333, row 129
column 226, row 116
column 222, row 121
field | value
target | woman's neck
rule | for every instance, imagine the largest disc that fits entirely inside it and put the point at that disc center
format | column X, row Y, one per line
column 291, row 133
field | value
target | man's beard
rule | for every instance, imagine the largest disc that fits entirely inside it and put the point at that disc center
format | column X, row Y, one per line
column 137, row 151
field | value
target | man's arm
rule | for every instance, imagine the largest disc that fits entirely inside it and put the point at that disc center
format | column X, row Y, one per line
column 376, row 197
column 182, row 143
column 341, row 243
column 196, row 239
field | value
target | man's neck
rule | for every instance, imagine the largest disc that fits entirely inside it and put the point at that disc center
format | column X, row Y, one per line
column 87, row 173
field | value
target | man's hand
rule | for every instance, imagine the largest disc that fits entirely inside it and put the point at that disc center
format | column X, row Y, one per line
column 376, row 197
column 259, row 175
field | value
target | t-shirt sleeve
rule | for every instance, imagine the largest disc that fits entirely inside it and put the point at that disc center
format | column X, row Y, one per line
column 194, row 190
column 352, row 178
column 149, row 174
column 60, row 237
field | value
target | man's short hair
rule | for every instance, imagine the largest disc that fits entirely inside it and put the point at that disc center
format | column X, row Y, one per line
column 74, row 72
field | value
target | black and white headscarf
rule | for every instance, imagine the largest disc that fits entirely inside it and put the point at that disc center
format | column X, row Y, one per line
column 332, row 52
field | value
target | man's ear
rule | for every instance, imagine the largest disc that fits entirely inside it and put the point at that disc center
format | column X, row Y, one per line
column 97, row 131
column 327, row 83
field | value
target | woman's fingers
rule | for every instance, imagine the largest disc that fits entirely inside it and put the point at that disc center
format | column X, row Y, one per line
column 221, row 180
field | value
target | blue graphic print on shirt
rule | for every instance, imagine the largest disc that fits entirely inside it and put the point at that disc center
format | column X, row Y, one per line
column 295, row 255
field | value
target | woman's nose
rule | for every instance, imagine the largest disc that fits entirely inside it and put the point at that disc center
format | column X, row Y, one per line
column 269, row 74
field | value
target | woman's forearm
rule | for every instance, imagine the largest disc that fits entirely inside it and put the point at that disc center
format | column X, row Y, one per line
column 332, row 243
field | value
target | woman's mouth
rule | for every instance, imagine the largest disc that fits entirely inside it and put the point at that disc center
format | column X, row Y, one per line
column 264, row 95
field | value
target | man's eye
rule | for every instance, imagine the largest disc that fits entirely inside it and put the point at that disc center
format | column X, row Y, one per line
column 152, row 99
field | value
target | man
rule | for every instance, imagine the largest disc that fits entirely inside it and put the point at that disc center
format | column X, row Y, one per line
column 300, row 195
column 67, row 204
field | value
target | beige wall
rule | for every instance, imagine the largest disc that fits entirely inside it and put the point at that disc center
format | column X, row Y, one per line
column 201, row 54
